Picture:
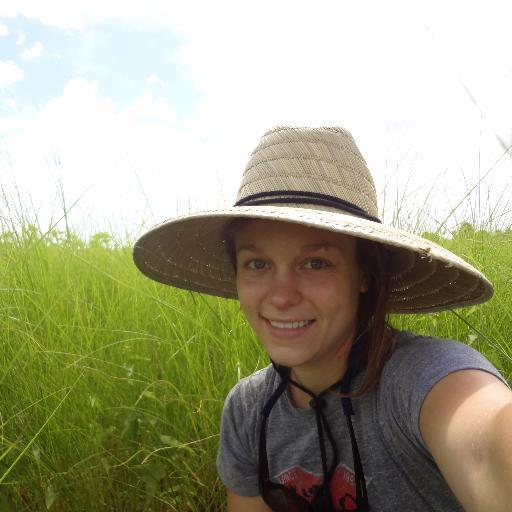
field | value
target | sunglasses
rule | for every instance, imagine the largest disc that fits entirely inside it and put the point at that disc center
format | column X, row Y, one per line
column 281, row 498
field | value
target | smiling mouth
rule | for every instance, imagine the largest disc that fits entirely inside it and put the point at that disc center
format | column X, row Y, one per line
column 295, row 324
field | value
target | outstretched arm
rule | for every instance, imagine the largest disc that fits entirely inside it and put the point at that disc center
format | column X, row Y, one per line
column 466, row 423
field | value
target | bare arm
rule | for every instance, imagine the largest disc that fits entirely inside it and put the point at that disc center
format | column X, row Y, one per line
column 466, row 423
column 244, row 504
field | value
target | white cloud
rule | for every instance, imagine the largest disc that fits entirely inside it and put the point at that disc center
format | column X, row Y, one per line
column 153, row 80
column 20, row 39
column 98, row 149
column 148, row 110
column 10, row 103
column 76, row 15
column 9, row 74
column 4, row 31
column 32, row 53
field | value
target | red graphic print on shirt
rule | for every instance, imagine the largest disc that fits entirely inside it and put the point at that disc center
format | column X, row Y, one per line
column 306, row 484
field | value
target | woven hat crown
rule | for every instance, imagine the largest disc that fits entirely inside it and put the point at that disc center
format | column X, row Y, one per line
column 294, row 166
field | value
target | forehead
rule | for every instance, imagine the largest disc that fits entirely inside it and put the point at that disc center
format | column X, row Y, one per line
column 256, row 231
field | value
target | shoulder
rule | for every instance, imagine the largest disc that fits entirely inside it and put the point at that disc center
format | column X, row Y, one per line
column 416, row 355
column 249, row 393
column 416, row 365
column 237, row 462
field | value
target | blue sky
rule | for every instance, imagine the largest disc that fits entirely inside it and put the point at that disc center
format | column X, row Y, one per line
column 140, row 111
column 119, row 57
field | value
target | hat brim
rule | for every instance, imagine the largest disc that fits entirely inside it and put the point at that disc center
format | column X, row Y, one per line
column 189, row 252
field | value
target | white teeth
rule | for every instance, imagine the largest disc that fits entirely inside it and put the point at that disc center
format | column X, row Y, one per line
column 289, row 325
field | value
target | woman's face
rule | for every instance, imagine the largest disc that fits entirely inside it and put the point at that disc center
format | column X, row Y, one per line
column 299, row 289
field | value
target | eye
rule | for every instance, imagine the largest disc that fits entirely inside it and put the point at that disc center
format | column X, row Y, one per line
column 316, row 264
column 256, row 264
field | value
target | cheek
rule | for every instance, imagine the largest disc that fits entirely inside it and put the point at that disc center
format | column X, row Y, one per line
column 340, row 298
column 246, row 296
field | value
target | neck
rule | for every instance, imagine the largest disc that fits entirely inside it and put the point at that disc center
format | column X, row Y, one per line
column 317, row 379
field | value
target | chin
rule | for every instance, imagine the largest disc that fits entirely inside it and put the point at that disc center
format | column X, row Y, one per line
column 290, row 360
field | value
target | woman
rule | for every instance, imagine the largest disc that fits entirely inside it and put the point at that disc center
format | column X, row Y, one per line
column 351, row 414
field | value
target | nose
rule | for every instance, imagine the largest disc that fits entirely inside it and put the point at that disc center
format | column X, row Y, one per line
column 284, row 290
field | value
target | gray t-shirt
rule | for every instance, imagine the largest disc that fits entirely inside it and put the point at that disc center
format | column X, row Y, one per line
column 400, row 472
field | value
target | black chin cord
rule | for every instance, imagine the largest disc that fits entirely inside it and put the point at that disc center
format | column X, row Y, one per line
column 317, row 403
column 323, row 498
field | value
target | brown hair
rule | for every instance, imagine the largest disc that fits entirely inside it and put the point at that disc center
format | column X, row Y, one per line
column 372, row 325
column 375, row 261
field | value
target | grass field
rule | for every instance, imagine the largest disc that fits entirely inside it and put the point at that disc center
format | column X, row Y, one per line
column 112, row 385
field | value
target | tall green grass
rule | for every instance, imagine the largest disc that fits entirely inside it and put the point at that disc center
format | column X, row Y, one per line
column 111, row 385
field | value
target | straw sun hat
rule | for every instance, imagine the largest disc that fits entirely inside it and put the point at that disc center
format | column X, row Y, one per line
column 315, row 177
